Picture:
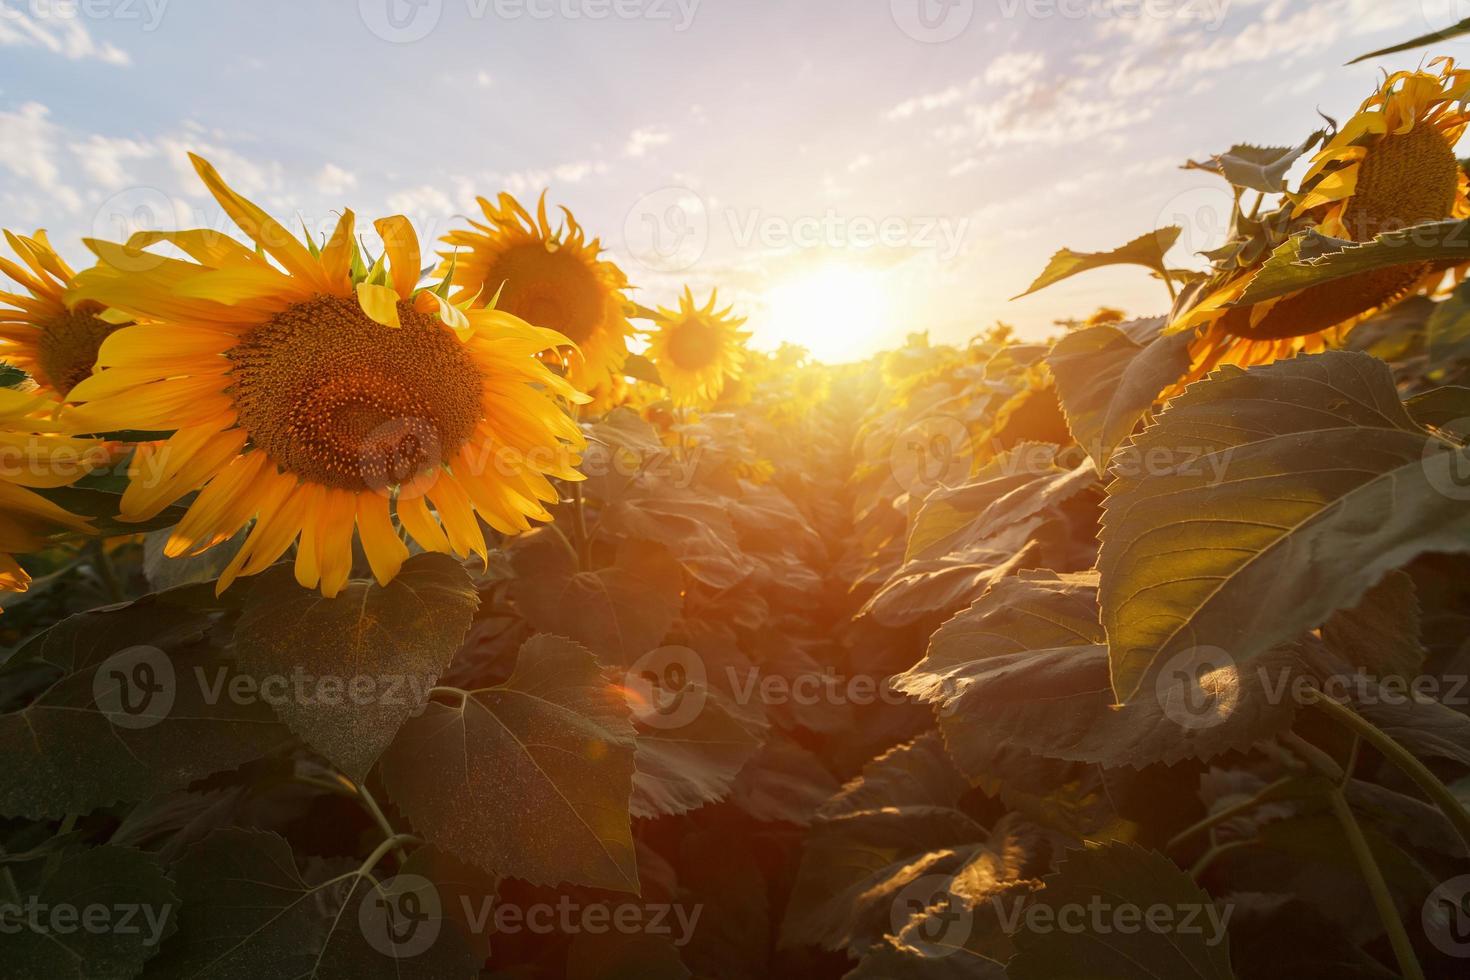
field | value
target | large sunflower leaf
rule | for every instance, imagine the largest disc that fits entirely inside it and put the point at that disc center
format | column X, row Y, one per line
column 1011, row 489
column 1433, row 37
column 247, row 912
column 530, row 778
column 894, row 839
column 1277, row 496
column 1026, row 667
column 352, row 669
column 619, row 613
column 1115, row 878
column 1147, row 250
column 127, row 883
column 683, row 764
column 1107, row 379
column 1312, row 258
column 140, row 703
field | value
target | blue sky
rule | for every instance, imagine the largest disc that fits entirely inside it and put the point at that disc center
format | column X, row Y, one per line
column 844, row 170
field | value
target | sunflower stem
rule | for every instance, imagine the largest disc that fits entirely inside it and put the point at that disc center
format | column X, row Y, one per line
column 106, row 572
column 579, row 529
column 1403, row 949
column 1426, row 780
column 1229, row 813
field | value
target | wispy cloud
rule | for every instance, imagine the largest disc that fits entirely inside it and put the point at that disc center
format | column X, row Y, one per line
column 59, row 31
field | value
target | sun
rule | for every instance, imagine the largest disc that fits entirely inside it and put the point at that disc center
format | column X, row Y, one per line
column 833, row 311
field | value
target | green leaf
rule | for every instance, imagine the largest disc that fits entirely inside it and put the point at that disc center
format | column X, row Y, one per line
column 1423, row 40
column 930, row 588
column 248, row 913
column 1379, row 636
column 100, row 915
column 1025, row 667
column 891, row 840
column 140, row 704
column 1011, row 490
column 783, row 783
column 1147, row 250
column 684, row 766
column 1446, row 410
column 349, row 671
column 530, row 778
column 1256, row 168
column 697, row 529
column 642, row 369
column 163, row 572
column 1312, row 259
column 1272, row 498
column 619, row 613
column 1115, row 878
column 1449, row 329
column 1108, row 378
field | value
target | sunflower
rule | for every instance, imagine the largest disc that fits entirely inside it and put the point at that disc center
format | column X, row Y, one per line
column 1390, row 167
column 315, row 395
column 552, row 278
column 697, row 349
column 34, row 454
column 49, row 338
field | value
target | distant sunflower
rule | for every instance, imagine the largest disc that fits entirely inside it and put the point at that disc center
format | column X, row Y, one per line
column 316, row 396
column 549, row 277
column 1390, row 167
column 697, row 349
column 52, row 340
column 34, row 455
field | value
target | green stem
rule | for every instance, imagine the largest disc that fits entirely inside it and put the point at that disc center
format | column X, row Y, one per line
column 1215, row 819
column 395, row 842
column 1216, row 851
column 1398, row 938
column 579, row 529
column 1427, row 781
column 106, row 572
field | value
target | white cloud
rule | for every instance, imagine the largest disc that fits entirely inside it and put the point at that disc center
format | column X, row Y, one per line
column 29, row 137
column 416, row 202
column 332, row 180
column 931, row 101
column 1014, row 68
column 57, row 30
column 102, row 159
column 642, row 140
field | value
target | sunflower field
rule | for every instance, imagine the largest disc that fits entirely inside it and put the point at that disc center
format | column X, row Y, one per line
column 445, row 612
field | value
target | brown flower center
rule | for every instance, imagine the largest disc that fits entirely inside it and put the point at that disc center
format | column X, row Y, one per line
column 343, row 401
column 695, row 344
column 1404, row 180
column 548, row 287
column 68, row 348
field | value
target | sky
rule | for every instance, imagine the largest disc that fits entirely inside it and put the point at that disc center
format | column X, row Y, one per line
column 845, row 172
